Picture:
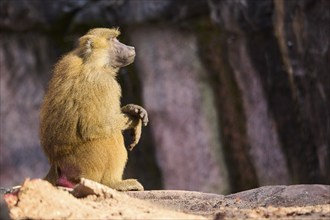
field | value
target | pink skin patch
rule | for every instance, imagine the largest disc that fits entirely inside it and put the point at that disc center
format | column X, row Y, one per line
column 64, row 171
column 63, row 181
column 11, row 198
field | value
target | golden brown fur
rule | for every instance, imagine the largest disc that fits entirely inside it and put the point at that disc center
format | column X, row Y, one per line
column 81, row 118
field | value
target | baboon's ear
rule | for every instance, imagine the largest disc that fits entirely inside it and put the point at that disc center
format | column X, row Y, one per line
column 86, row 42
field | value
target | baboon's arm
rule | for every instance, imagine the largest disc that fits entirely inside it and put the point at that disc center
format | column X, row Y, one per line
column 133, row 117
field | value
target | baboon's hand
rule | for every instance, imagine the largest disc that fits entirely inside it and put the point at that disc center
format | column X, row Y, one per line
column 136, row 111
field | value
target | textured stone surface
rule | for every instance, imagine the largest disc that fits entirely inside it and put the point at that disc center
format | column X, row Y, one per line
column 38, row 199
column 266, row 153
column 181, row 107
column 274, row 51
column 285, row 196
column 25, row 67
column 47, row 202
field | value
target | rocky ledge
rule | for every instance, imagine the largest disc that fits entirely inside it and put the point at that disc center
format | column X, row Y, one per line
column 37, row 199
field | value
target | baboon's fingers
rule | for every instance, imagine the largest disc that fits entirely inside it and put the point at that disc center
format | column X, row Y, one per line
column 132, row 145
column 144, row 117
column 136, row 133
column 137, row 111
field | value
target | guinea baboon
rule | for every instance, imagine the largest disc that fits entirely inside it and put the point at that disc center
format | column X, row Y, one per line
column 81, row 120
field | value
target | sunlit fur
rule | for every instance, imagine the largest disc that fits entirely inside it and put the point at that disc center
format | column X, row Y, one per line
column 81, row 119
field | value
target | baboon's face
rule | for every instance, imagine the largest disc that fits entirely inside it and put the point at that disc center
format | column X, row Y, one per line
column 101, row 46
column 121, row 54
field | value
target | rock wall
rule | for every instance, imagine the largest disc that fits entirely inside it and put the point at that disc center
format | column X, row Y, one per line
column 180, row 101
column 237, row 91
column 282, row 42
column 25, row 67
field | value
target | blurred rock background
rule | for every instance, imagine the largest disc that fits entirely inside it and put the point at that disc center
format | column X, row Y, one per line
column 237, row 90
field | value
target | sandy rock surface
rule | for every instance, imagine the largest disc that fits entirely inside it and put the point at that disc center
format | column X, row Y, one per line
column 37, row 199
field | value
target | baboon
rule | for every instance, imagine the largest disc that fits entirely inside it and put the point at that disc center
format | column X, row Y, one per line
column 81, row 120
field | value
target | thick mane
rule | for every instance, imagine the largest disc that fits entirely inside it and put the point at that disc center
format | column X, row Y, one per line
column 104, row 32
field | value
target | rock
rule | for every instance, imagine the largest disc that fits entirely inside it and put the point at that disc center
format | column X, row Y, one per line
column 26, row 15
column 294, row 195
column 26, row 61
column 208, row 204
column 37, row 199
column 185, row 201
column 278, row 52
column 179, row 99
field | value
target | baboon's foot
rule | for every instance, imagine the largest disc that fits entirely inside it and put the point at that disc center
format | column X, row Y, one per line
column 128, row 185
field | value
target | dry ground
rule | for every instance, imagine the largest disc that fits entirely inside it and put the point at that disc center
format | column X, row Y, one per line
column 37, row 199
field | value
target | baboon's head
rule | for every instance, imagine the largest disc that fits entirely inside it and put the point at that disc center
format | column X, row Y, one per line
column 101, row 46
